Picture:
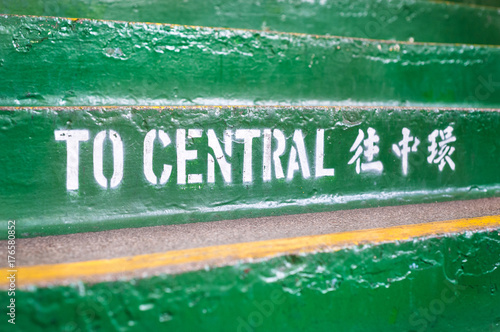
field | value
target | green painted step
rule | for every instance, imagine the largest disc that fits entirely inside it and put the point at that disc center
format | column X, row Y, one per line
column 447, row 283
column 67, row 170
column 491, row 3
column 384, row 19
column 57, row 61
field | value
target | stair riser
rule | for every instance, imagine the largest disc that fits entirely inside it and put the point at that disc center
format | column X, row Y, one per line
column 126, row 167
column 52, row 61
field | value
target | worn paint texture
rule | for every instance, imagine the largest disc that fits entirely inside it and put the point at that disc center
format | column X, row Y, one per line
column 122, row 172
column 57, row 61
column 445, row 283
column 427, row 21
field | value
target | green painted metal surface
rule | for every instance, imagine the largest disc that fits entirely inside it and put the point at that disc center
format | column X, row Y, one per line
column 448, row 283
column 72, row 170
column 55, row 61
column 387, row 19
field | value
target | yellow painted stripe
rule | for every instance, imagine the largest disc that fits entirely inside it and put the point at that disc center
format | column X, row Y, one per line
column 32, row 275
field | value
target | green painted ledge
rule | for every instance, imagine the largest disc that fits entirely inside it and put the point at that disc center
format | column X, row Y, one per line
column 310, row 165
column 438, row 283
column 387, row 19
column 65, row 62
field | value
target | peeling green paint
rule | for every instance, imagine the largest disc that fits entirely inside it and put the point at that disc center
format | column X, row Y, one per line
column 446, row 283
column 39, row 192
column 426, row 21
column 56, row 62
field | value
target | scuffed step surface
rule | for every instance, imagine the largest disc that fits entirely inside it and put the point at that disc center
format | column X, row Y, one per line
column 146, row 240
